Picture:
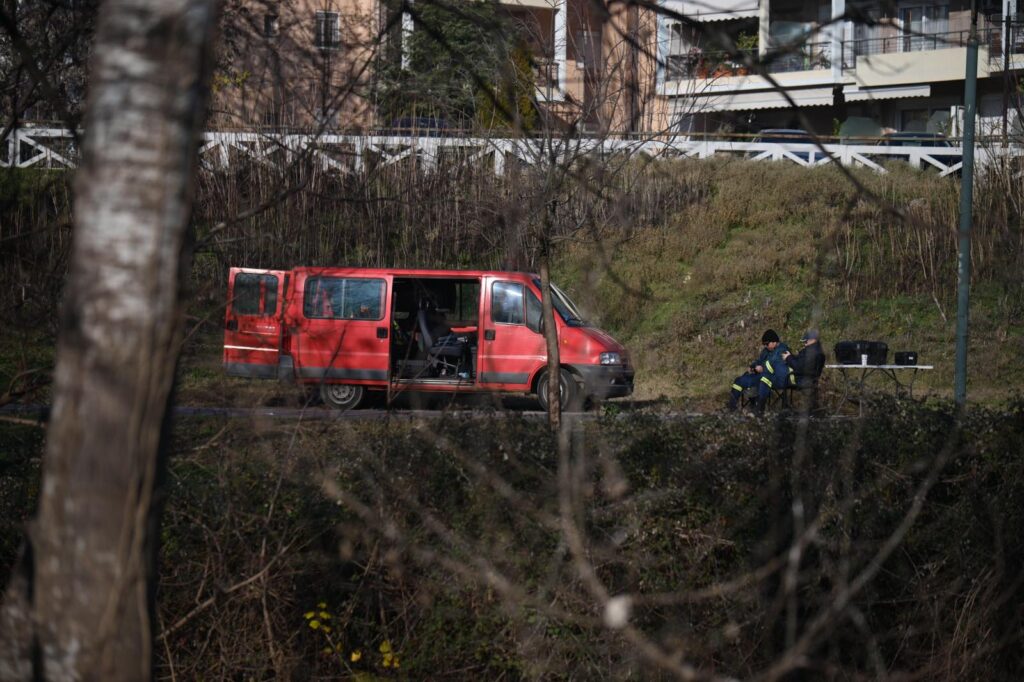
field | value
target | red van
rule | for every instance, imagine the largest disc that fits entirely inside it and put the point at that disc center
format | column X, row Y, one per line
column 351, row 330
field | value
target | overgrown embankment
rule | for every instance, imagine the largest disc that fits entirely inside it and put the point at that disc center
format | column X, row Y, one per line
column 771, row 245
column 852, row 549
column 684, row 261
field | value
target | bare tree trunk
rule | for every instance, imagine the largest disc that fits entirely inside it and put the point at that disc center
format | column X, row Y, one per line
column 80, row 605
column 551, row 338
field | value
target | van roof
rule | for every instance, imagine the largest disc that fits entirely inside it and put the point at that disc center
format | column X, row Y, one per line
column 408, row 272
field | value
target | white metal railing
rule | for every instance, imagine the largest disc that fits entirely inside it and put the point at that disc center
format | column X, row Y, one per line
column 56, row 148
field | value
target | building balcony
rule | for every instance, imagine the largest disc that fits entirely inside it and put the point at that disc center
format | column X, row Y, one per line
column 545, row 75
column 700, row 65
column 927, row 58
column 898, row 59
column 990, row 39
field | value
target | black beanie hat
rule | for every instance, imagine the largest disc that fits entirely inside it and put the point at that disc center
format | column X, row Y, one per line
column 770, row 337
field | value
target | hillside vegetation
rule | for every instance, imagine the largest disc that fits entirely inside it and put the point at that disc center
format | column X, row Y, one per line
column 439, row 542
column 771, row 245
column 686, row 262
column 774, row 548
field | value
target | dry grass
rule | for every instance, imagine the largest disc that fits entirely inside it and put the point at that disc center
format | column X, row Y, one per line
column 773, row 245
column 685, row 261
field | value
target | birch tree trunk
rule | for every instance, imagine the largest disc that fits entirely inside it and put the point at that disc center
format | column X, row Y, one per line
column 550, row 338
column 80, row 604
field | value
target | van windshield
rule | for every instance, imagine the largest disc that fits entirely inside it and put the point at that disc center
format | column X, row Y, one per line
column 565, row 307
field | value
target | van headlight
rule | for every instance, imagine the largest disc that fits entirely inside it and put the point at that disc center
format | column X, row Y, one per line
column 611, row 359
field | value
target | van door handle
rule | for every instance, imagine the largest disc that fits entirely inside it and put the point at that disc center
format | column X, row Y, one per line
column 382, row 332
column 488, row 335
column 231, row 325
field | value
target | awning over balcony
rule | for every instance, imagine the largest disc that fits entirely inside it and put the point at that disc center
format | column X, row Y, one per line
column 715, row 10
column 807, row 97
column 541, row 4
column 899, row 92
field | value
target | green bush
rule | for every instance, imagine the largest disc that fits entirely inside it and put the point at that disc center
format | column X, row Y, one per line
column 438, row 548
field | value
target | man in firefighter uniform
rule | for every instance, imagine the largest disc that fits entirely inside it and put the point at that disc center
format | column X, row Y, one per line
column 767, row 371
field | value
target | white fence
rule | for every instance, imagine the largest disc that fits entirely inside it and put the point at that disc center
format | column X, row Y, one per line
column 56, row 148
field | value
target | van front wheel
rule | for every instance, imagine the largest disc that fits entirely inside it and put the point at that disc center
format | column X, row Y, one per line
column 570, row 395
column 342, row 396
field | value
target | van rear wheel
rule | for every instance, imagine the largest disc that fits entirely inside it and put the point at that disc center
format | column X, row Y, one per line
column 342, row 396
column 570, row 395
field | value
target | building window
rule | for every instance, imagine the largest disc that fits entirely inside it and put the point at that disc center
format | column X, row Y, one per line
column 924, row 27
column 328, row 33
column 588, row 49
column 270, row 25
column 913, row 120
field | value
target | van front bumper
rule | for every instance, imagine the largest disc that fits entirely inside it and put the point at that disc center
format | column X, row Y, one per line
column 606, row 381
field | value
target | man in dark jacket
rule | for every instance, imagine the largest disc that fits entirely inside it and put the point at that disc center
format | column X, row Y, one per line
column 763, row 371
column 776, row 374
column 809, row 362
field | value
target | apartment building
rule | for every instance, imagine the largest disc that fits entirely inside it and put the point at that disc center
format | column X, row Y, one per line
column 900, row 63
column 302, row 65
column 308, row 64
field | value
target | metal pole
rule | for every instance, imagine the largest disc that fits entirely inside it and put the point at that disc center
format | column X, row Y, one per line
column 966, row 203
column 1006, row 71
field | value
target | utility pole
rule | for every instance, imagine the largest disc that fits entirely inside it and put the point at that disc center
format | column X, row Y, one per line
column 966, row 204
column 1006, row 70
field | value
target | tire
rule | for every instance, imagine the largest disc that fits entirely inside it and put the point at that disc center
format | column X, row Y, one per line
column 342, row 396
column 570, row 394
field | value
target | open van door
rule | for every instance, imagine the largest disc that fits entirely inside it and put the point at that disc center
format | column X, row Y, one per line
column 252, row 325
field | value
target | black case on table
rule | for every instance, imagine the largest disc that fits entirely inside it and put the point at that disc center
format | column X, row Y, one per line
column 850, row 352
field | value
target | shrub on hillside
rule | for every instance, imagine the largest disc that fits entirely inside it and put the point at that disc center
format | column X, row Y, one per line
column 451, row 547
column 439, row 549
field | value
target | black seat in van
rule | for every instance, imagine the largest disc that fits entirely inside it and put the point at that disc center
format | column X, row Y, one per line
column 443, row 350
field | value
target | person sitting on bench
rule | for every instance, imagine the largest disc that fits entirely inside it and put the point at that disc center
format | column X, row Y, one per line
column 808, row 364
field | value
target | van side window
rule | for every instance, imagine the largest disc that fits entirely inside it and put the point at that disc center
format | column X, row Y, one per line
column 343, row 298
column 507, row 302
column 254, row 294
column 533, row 311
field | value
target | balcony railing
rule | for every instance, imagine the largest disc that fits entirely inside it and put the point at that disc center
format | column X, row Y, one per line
column 1015, row 31
column 988, row 37
column 698, row 64
column 545, row 74
column 710, row 65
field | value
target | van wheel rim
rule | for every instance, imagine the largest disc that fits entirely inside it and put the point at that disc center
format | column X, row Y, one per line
column 341, row 393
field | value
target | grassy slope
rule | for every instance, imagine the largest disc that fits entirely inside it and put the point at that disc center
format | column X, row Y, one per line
column 757, row 245
column 690, row 299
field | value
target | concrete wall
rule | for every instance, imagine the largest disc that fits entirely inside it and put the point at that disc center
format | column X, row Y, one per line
column 929, row 66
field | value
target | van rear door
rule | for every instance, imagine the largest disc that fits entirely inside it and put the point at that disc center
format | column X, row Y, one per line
column 252, row 325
